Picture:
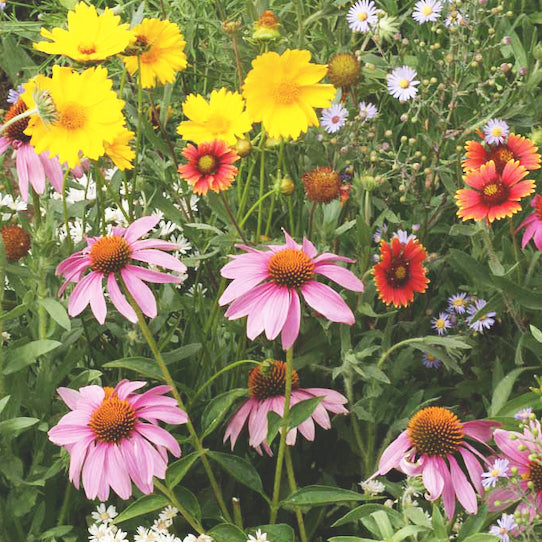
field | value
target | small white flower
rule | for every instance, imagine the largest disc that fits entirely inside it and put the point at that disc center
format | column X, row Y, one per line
column 367, row 111
column 427, row 11
column 402, row 83
column 99, row 533
column 372, row 487
column 403, row 236
column 333, row 118
column 184, row 244
column 496, row 131
column 14, row 205
column 114, row 214
column 6, row 336
column 498, row 470
column 103, row 514
column 119, row 536
column 362, row 15
column 258, row 537
column 161, row 525
column 200, row 538
column 169, row 512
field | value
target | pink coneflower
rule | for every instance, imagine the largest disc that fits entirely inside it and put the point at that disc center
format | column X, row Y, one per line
column 31, row 167
column 430, row 447
column 110, row 255
column 266, row 383
column 533, row 225
column 108, row 440
column 274, row 306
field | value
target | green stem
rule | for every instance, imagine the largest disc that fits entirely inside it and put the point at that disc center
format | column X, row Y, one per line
column 384, row 356
column 196, row 442
column 37, row 210
column 65, row 212
column 262, row 187
column 232, row 218
column 311, row 218
column 138, row 138
column 355, row 425
column 284, row 432
column 270, row 215
column 293, row 487
column 65, row 504
column 237, row 516
column 253, row 208
column 19, row 117
column 195, row 524
column 517, row 254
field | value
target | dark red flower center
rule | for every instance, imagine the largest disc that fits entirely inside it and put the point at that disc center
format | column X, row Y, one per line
column 535, row 475
column 435, row 431
column 494, row 193
column 501, row 154
column 335, row 119
column 114, row 419
column 398, row 272
column 207, row 164
column 269, row 380
column 290, row 267
column 109, row 254
column 15, row 132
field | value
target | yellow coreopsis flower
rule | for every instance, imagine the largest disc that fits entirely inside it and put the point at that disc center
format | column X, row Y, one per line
column 162, row 53
column 90, row 37
column 88, row 114
column 119, row 151
column 223, row 117
column 281, row 92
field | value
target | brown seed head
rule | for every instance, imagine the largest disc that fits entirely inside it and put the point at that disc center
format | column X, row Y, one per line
column 16, row 242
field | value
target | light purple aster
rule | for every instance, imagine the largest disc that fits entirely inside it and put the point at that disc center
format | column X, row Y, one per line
column 485, row 321
column 403, row 236
column 441, row 324
column 503, row 527
column 367, row 111
column 523, row 414
column 458, row 302
column 380, row 230
column 430, row 361
column 362, row 15
column 14, row 94
column 402, row 83
column 333, row 118
column 498, row 470
column 427, row 11
column 496, row 131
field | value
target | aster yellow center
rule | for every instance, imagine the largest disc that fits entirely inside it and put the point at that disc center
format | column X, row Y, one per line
column 363, row 16
column 290, row 267
column 403, row 83
column 269, row 380
column 206, row 164
column 109, row 254
column 496, row 131
column 435, row 431
column 427, row 10
column 440, row 323
column 87, row 47
column 72, row 116
column 113, row 420
column 458, row 302
column 286, row 93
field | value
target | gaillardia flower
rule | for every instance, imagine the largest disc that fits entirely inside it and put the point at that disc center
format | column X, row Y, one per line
column 266, row 384
column 89, row 114
column 533, row 225
column 281, row 92
column 223, row 117
column 162, row 52
column 400, row 271
column 209, row 166
column 493, row 195
column 430, row 446
column 516, row 148
column 109, row 441
column 111, row 255
column 90, row 37
column 266, row 28
column 32, row 167
column 273, row 306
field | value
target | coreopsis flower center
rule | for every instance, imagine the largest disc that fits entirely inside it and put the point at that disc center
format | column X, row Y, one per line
column 16, row 242
column 290, row 267
column 15, row 132
column 109, row 254
column 494, row 193
column 398, row 273
column 435, row 431
column 427, row 10
column 404, row 83
column 206, row 164
column 500, row 156
column 286, row 93
column 363, row 16
column 269, row 380
column 113, row 420
column 72, row 116
column 87, row 47
column 535, row 475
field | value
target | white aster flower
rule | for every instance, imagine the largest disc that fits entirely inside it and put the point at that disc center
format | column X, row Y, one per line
column 402, row 83
column 103, row 514
column 169, row 512
column 161, row 525
column 333, row 118
column 372, row 487
column 496, row 131
column 427, row 11
column 147, row 535
column 362, row 15
column 498, row 470
column 119, row 536
column 100, row 533
column 114, row 214
column 200, row 538
column 367, row 111
column 14, row 205
column 5, row 336
column 258, row 537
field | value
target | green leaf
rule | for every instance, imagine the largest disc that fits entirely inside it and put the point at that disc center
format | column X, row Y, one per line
column 524, row 296
column 320, row 496
column 528, row 399
column 186, row 351
column 503, row 389
column 4, row 402
column 362, row 511
column 409, row 530
column 536, row 333
column 481, row 537
column 218, row 407
column 280, row 532
column 273, row 425
column 177, row 471
column 240, row 469
column 473, row 524
column 302, row 410
column 14, row 426
column 349, row 539
column 226, row 532
column 188, row 500
column 383, row 523
column 59, row 530
column 144, row 366
column 439, row 526
column 14, row 313
column 471, row 269
column 143, row 505
column 57, row 312
column 18, row 358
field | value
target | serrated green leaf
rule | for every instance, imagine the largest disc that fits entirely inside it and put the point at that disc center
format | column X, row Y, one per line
column 241, row 469
column 177, row 470
column 18, row 358
column 143, row 505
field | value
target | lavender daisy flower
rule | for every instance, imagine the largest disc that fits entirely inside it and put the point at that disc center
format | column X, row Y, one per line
column 427, row 11
column 403, row 236
column 430, row 361
column 14, row 94
column 503, row 527
column 381, row 230
column 441, row 324
column 333, row 118
column 496, row 131
column 498, row 470
column 523, row 414
column 367, row 111
column 402, row 83
column 458, row 302
column 361, row 16
column 485, row 321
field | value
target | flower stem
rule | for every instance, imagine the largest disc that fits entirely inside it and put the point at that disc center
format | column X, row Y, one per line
column 311, row 218
column 195, row 524
column 253, row 208
column 284, row 431
column 138, row 138
column 65, row 212
column 196, row 442
column 232, row 218
column 237, row 516
column 293, row 487
column 19, row 117
column 262, row 187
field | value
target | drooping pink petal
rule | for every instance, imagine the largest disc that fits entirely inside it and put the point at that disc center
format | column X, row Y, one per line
column 276, row 311
column 327, row 302
column 290, row 329
column 157, row 257
column 63, row 435
column 341, row 276
column 93, row 470
column 257, row 423
column 97, row 299
column 474, row 469
column 140, row 227
column 4, row 145
column 481, row 430
column 141, row 293
column 78, row 455
column 126, row 387
column 238, row 420
column 81, row 294
column 238, row 287
column 151, row 276
column 154, row 243
column 432, row 477
column 464, row 491
column 393, row 453
column 53, row 170
column 448, row 493
column 117, row 474
column 118, row 299
column 159, row 436
column 243, row 304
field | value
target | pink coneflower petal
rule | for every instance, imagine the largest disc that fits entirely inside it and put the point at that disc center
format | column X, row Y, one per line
column 448, row 492
column 257, row 423
column 150, row 275
column 141, row 293
column 463, row 490
column 97, row 299
column 93, row 470
column 53, row 170
column 156, row 257
column 140, row 227
column 341, row 276
column 290, row 330
column 394, row 453
column 432, row 477
column 69, row 396
column 474, row 469
column 239, row 287
column 4, row 145
column 81, row 294
column 275, row 312
column 159, row 436
column 327, row 302
column 237, row 422
column 118, row 299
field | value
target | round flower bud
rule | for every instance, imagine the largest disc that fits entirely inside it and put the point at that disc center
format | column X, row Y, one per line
column 286, row 186
column 243, row 147
column 344, row 70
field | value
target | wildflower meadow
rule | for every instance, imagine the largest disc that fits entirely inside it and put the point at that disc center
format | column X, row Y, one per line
column 271, row 271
